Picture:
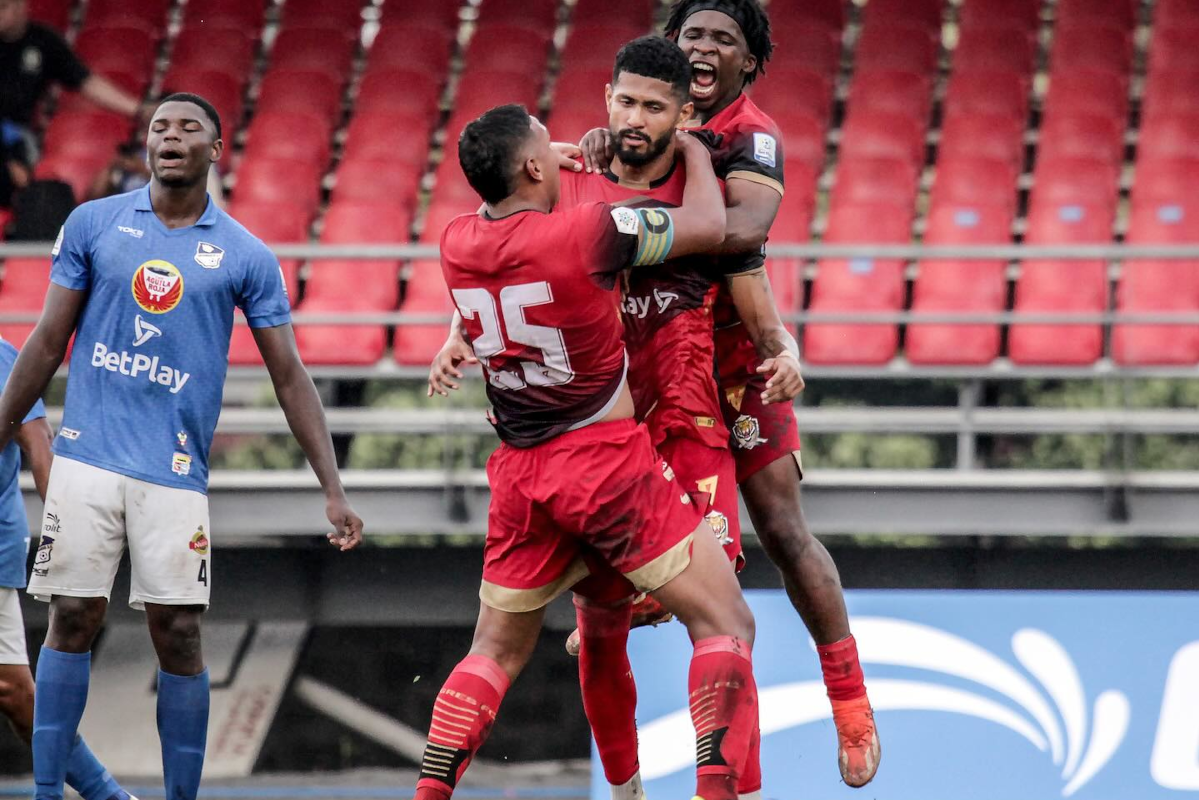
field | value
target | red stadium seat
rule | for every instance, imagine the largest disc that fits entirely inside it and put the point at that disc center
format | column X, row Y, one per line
column 92, row 134
column 960, row 285
column 860, row 284
column 1147, row 287
column 426, row 294
column 982, row 136
column 994, row 92
column 1169, row 136
column 287, row 90
column 422, row 12
column 793, row 225
column 113, row 13
column 540, row 14
column 245, row 15
column 875, row 182
column 582, row 90
column 1169, row 13
column 341, row 345
column 803, row 137
column 1165, row 182
column 508, row 48
column 217, row 88
column 975, row 182
column 897, row 46
column 401, row 137
column 319, row 49
column 478, row 91
column 1075, row 181
column 809, row 45
column 1174, row 48
column 1117, row 12
column 828, row 12
column 124, row 49
column 384, row 181
column 879, row 134
column 1088, row 91
column 206, row 47
column 292, row 134
column 804, row 90
column 1062, row 286
column 55, row 13
column 638, row 13
column 322, row 13
column 22, row 291
column 440, row 214
column 987, row 13
column 372, row 284
column 1081, row 136
column 1001, row 46
column 594, row 45
column 76, row 170
column 399, row 92
column 1169, row 93
column 926, row 13
column 572, row 126
column 278, row 181
column 409, row 47
column 892, row 91
column 1091, row 45
column 451, row 186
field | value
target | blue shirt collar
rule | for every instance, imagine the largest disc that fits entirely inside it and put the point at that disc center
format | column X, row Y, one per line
column 206, row 220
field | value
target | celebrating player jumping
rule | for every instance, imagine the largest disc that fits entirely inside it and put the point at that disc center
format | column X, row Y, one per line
column 148, row 282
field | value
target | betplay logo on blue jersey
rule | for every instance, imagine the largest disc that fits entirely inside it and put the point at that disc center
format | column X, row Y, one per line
column 980, row 695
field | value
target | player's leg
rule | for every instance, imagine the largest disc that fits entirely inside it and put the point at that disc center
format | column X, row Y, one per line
column 83, row 537
column 170, row 575
column 85, row 774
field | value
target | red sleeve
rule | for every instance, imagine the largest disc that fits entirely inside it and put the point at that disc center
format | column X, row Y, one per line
column 755, row 153
column 600, row 246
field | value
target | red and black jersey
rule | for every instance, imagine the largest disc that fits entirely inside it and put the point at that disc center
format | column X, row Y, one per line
column 745, row 145
column 537, row 294
column 654, row 295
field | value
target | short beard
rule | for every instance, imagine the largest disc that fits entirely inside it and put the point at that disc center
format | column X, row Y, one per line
column 634, row 158
column 181, row 181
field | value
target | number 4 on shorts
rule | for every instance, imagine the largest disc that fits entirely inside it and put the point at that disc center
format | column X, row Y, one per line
column 202, row 577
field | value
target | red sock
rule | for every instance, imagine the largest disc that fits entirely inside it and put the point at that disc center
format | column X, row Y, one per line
column 463, row 714
column 751, row 774
column 609, row 691
column 724, row 710
column 842, row 672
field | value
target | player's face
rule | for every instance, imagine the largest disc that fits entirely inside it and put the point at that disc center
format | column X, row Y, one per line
column 13, row 16
column 720, row 58
column 181, row 144
column 642, row 116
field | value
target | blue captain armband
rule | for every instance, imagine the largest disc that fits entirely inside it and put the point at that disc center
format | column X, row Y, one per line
column 653, row 228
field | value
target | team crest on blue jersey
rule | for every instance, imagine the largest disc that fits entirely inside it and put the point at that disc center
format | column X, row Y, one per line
column 208, row 255
column 157, row 286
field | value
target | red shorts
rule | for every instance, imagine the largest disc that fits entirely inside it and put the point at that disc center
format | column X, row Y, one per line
column 673, row 381
column 761, row 434
column 710, row 470
column 600, row 491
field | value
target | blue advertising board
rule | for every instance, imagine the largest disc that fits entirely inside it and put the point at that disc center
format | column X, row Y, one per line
column 978, row 695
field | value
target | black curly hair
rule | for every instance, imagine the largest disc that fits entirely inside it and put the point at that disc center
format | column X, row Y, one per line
column 488, row 150
column 659, row 58
column 750, row 16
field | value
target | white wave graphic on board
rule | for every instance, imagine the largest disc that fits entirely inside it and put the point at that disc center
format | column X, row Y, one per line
column 667, row 743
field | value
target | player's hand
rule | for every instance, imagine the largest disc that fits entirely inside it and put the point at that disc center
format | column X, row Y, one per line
column 568, row 156
column 785, row 381
column 444, row 370
column 347, row 526
column 597, row 149
column 689, row 145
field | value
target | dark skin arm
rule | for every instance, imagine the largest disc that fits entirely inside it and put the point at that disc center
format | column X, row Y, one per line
column 306, row 418
column 751, row 209
column 34, row 438
column 39, row 358
column 775, row 345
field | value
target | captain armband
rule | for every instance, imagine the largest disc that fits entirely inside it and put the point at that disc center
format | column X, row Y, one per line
column 654, row 230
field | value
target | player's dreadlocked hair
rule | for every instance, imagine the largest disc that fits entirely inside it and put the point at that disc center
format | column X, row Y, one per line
column 659, row 58
column 749, row 14
column 195, row 99
column 488, row 147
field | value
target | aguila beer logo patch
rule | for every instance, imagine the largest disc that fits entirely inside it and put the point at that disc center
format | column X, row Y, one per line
column 157, row 286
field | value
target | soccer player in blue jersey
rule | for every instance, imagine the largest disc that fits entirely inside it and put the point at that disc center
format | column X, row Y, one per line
column 148, row 282
column 84, row 773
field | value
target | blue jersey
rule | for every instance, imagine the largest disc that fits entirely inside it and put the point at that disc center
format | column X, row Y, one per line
column 152, row 345
column 14, row 526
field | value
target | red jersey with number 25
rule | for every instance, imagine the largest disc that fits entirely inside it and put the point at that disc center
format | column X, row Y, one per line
column 537, row 294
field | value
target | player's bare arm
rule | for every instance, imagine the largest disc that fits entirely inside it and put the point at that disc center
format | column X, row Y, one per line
column 34, row 439
column 775, row 345
column 596, row 146
column 39, row 358
column 306, row 418
column 456, row 352
column 751, row 209
column 569, row 155
column 698, row 224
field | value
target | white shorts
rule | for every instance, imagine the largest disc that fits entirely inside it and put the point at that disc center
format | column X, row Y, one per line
column 12, row 629
column 92, row 512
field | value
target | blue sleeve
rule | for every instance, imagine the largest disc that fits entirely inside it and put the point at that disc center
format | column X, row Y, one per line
column 263, row 295
column 72, row 265
column 37, row 412
column 8, row 358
